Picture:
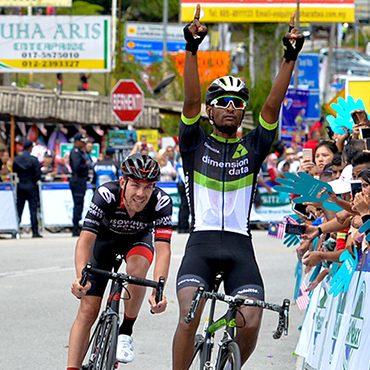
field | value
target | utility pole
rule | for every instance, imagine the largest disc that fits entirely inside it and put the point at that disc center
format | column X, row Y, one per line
column 165, row 24
column 119, row 37
column 296, row 67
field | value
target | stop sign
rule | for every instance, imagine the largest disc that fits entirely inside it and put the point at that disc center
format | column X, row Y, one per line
column 127, row 101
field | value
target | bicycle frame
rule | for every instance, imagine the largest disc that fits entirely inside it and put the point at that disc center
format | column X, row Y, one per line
column 227, row 320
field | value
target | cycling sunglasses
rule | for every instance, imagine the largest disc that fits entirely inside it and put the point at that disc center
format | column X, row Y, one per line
column 224, row 102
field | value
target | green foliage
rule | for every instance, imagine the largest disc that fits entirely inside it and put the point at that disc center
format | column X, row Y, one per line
column 81, row 8
column 151, row 11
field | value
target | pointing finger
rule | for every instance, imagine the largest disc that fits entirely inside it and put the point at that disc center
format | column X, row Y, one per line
column 291, row 23
column 197, row 12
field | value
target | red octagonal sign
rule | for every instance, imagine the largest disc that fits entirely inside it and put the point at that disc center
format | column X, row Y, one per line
column 127, row 101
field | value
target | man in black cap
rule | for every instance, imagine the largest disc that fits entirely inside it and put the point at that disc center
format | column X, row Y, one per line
column 28, row 170
column 77, row 182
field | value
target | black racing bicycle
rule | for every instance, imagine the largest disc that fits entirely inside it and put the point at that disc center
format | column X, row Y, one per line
column 102, row 348
column 228, row 356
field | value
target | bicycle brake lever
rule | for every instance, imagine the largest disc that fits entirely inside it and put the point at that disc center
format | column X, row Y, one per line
column 85, row 274
column 160, row 288
column 194, row 304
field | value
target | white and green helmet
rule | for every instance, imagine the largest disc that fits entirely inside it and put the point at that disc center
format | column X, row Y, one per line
column 227, row 85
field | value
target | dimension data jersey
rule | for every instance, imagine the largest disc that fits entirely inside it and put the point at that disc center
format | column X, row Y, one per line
column 220, row 174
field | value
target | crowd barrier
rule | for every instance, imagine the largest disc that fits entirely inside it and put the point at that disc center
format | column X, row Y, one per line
column 57, row 206
column 336, row 330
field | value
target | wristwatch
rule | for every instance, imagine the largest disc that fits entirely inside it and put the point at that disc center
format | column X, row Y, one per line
column 319, row 229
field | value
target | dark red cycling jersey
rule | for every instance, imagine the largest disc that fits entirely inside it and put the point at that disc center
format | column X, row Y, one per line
column 108, row 218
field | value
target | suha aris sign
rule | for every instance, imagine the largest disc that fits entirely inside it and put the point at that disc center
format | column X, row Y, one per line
column 55, row 44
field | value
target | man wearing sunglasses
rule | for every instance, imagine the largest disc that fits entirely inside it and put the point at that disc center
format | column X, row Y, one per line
column 221, row 172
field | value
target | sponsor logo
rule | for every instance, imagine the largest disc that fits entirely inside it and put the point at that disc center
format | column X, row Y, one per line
column 106, row 194
column 356, row 323
column 248, row 290
column 210, row 148
column 164, row 221
column 163, row 201
column 192, row 280
column 240, row 151
column 235, row 168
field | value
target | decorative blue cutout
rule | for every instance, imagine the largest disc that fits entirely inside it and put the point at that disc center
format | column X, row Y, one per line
column 343, row 276
column 364, row 229
column 305, row 185
column 344, row 118
column 330, row 206
column 291, row 239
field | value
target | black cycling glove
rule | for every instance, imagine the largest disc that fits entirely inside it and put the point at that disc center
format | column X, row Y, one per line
column 192, row 43
column 291, row 51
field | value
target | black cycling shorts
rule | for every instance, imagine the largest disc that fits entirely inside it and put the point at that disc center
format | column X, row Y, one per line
column 210, row 252
column 103, row 256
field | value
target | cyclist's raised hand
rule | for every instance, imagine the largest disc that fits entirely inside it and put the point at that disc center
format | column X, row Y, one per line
column 78, row 290
column 157, row 307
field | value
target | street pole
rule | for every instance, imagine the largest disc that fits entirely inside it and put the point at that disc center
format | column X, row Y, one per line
column 119, row 37
column 114, row 33
column 296, row 67
column 165, row 24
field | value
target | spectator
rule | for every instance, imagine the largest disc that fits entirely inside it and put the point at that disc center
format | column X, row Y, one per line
column 272, row 161
column 291, row 159
column 168, row 173
column 66, row 167
column 324, row 154
column 77, row 183
column 106, row 170
column 48, row 169
column 314, row 141
column 28, row 169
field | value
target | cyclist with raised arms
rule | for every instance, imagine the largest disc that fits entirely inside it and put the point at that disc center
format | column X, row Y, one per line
column 133, row 217
column 221, row 172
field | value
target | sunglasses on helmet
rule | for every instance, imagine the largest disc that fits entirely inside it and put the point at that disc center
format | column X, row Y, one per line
column 225, row 100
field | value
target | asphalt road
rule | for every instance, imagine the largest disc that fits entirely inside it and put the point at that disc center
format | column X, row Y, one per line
column 37, row 308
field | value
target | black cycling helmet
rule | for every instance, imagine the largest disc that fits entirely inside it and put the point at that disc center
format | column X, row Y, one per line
column 141, row 167
column 227, row 85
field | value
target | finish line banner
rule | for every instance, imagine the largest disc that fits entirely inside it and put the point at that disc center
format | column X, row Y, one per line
column 244, row 11
column 55, row 44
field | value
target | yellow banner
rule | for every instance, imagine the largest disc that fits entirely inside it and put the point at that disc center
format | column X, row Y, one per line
column 42, row 3
column 359, row 89
column 55, row 63
column 152, row 136
column 234, row 14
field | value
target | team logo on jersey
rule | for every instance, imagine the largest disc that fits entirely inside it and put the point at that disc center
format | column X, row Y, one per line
column 240, row 151
column 163, row 201
column 106, row 194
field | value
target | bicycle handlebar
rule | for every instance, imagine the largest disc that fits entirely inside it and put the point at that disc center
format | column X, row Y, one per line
column 238, row 301
column 159, row 286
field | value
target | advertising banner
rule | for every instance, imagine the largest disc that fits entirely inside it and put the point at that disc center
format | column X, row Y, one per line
column 55, row 44
column 293, row 114
column 57, row 204
column 8, row 212
column 359, row 88
column 340, row 329
column 309, row 67
column 243, row 11
column 211, row 64
column 35, row 3
column 144, row 41
column 273, row 208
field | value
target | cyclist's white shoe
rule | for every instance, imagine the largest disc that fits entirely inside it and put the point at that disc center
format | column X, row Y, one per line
column 125, row 349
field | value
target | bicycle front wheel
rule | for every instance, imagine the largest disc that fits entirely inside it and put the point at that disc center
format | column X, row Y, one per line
column 229, row 357
column 103, row 345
